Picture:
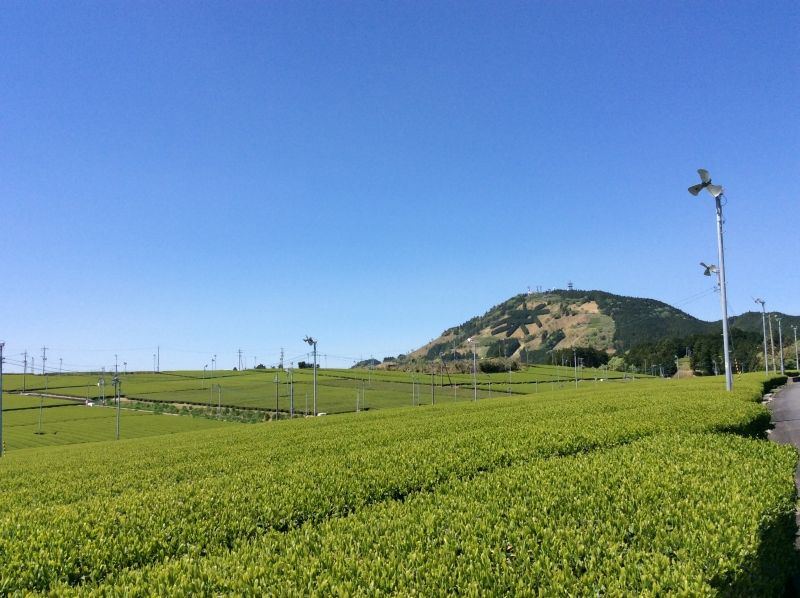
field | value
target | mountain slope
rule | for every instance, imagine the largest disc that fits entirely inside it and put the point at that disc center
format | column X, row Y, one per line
column 751, row 322
column 528, row 326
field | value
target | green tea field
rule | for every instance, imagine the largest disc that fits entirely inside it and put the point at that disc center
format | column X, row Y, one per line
column 648, row 487
column 338, row 391
column 34, row 422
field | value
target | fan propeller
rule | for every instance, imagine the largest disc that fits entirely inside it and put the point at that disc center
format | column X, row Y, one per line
column 709, row 269
column 715, row 190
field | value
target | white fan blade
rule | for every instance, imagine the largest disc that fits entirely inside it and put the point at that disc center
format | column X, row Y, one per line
column 715, row 190
column 695, row 189
column 704, row 176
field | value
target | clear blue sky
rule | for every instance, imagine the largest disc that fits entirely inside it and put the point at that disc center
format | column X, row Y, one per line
column 210, row 176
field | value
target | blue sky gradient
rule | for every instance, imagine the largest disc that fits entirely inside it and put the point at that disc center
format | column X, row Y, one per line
column 209, row 176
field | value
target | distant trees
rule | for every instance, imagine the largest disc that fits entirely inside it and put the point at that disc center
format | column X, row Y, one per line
column 705, row 352
column 616, row 363
column 592, row 358
column 494, row 366
column 504, row 347
column 367, row 363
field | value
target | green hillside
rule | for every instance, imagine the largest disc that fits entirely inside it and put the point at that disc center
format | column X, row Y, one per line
column 529, row 326
column 751, row 321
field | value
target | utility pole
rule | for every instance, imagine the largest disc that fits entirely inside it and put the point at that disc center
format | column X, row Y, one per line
column 2, row 443
column 60, row 360
column 24, row 370
column 575, row 364
column 44, row 361
column 764, row 327
column 240, row 360
column 117, row 393
column 796, row 361
column 277, row 394
column 116, row 364
column 717, row 192
column 154, row 363
column 780, row 344
column 280, row 363
column 772, row 345
column 474, row 370
column 433, row 384
column 723, row 299
column 291, row 392
column 313, row 343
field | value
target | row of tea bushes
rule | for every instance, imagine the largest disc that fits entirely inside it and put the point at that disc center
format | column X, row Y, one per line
column 691, row 515
column 76, row 517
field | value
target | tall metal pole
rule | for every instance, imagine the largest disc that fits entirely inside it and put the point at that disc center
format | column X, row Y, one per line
column 291, row 393
column 717, row 191
column 315, row 378
column 277, row 395
column 772, row 345
column 780, row 344
column 2, row 444
column 433, row 385
column 118, row 393
column 313, row 343
column 796, row 361
column 474, row 371
column 764, row 327
column 723, row 298
column 575, row 364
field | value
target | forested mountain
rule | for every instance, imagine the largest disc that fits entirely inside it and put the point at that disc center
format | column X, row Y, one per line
column 534, row 327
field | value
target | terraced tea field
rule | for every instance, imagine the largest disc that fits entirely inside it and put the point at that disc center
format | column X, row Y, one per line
column 339, row 391
column 35, row 422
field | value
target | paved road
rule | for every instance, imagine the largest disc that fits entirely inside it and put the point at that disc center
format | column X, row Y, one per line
column 785, row 408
